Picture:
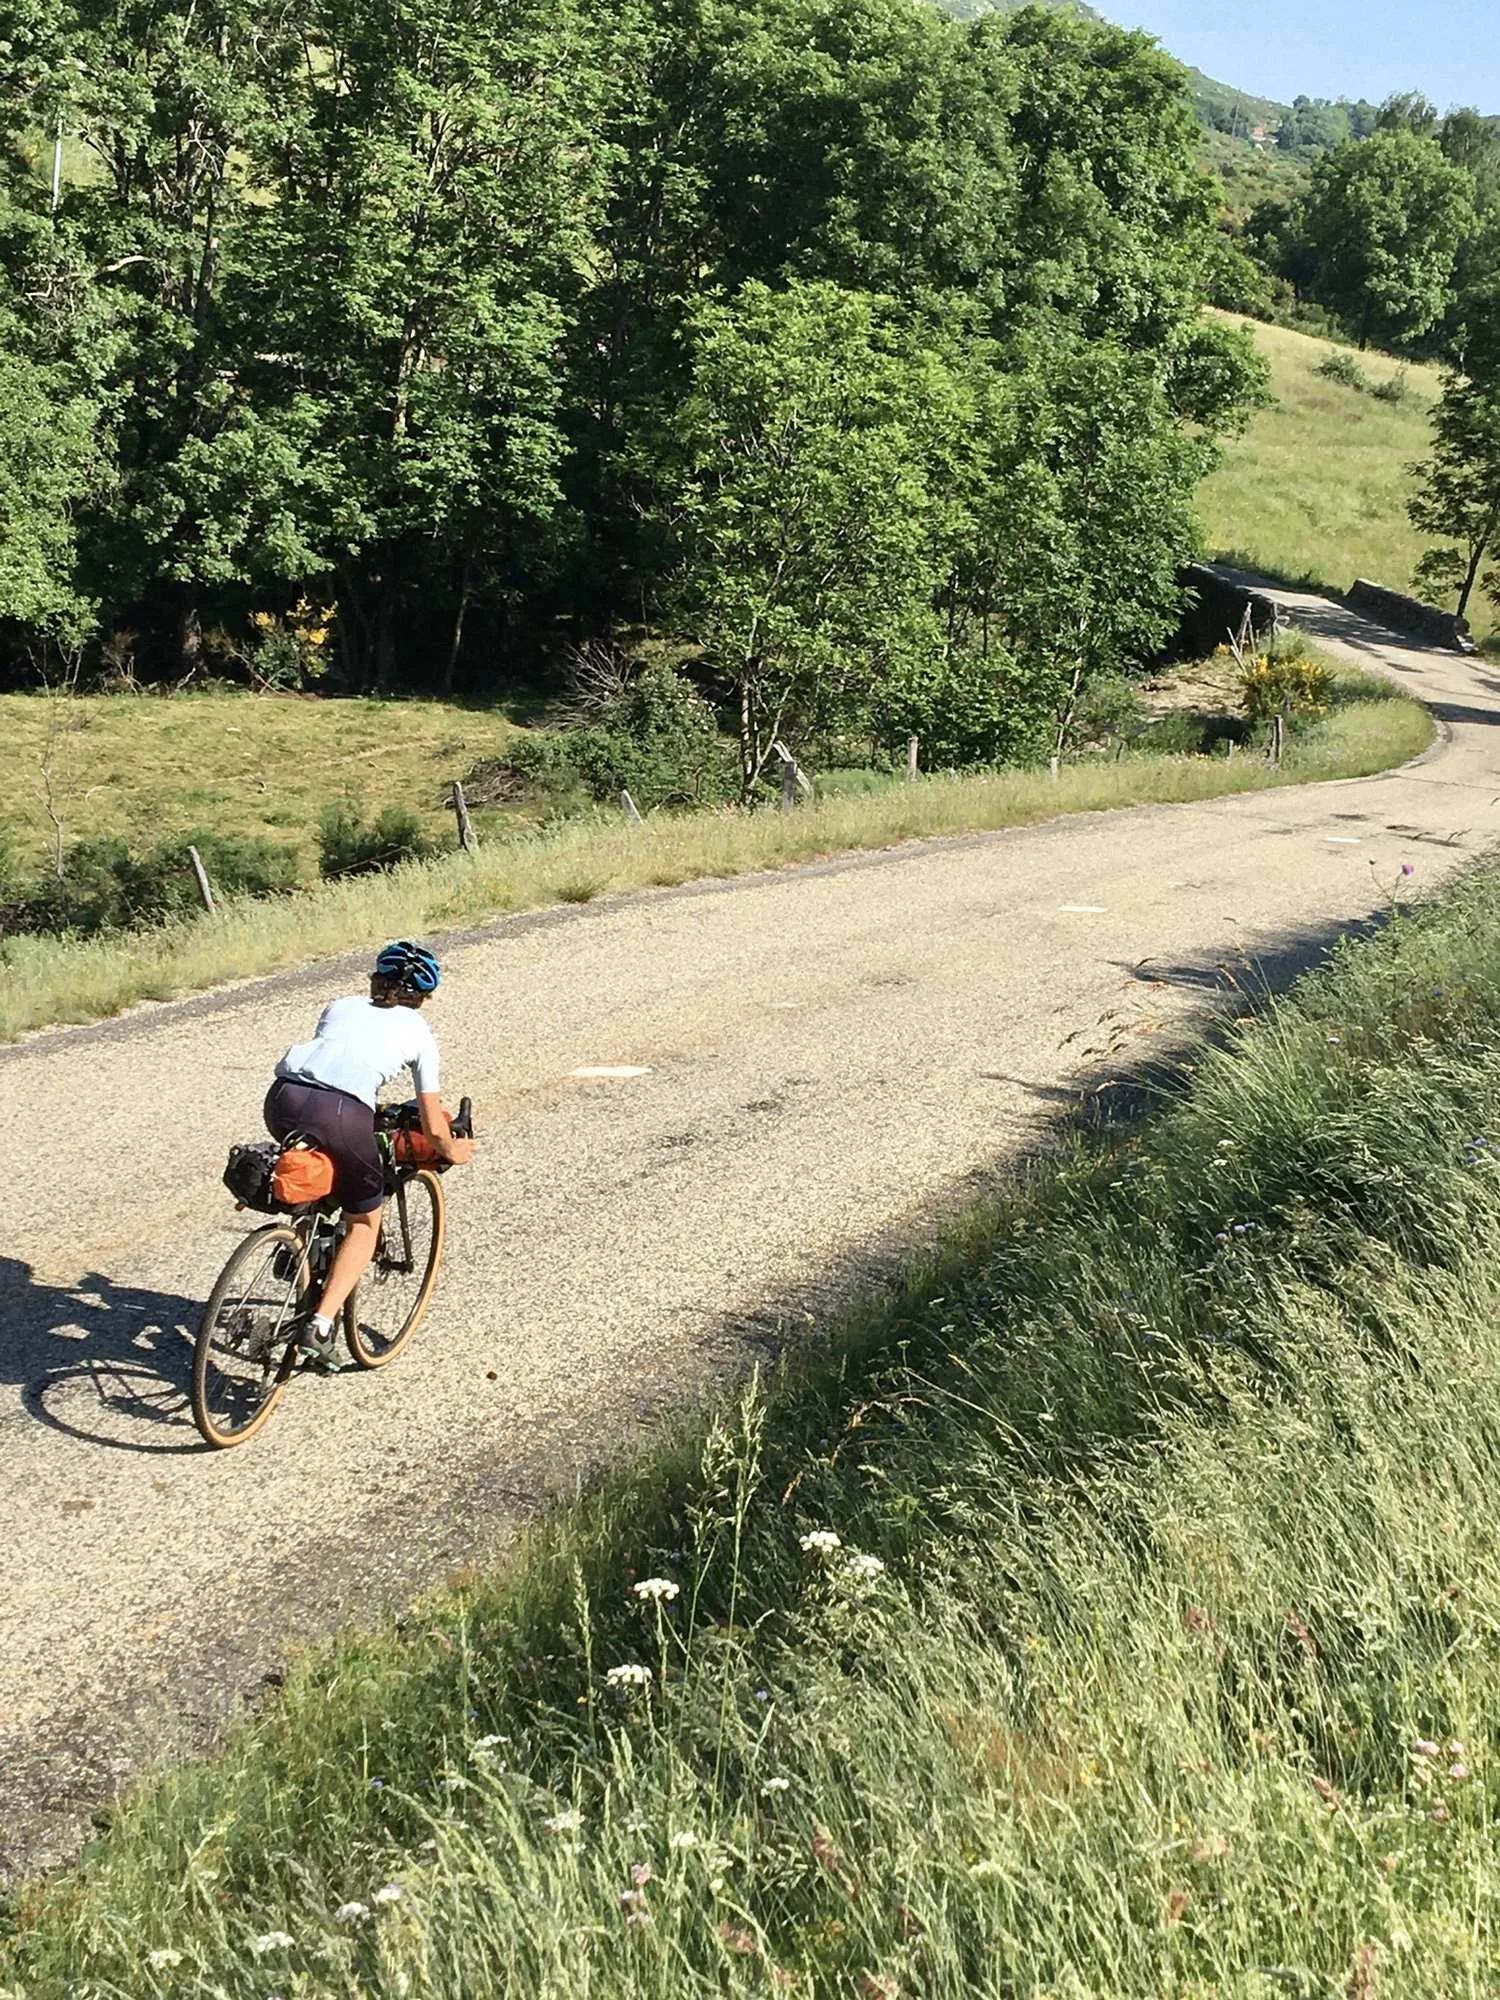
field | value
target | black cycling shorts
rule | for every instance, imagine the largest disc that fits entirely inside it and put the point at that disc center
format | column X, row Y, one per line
column 339, row 1125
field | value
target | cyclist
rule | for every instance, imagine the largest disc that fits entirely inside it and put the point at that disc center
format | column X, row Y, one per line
column 326, row 1091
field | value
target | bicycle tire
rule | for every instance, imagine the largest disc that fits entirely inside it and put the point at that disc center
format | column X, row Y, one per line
column 371, row 1347
column 261, row 1244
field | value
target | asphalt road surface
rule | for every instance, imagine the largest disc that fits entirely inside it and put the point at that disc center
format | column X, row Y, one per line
column 826, row 1058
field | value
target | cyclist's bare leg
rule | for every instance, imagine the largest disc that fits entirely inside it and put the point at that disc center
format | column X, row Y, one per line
column 351, row 1261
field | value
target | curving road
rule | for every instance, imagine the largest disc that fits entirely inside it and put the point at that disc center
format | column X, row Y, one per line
column 829, row 1056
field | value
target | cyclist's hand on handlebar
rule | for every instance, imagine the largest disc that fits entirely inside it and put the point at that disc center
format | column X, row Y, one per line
column 457, row 1152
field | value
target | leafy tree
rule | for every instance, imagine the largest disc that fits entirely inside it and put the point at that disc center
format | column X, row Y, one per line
column 402, row 295
column 161, row 102
column 852, row 140
column 1116, row 219
column 49, row 466
column 1381, row 228
column 1409, row 111
column 808, row 507
column 1086, row 520
column 1471, row 140
column 1459, row 498
column 1314, row 125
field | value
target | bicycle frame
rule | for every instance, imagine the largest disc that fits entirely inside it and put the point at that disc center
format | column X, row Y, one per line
column 404, row 1261
column 319, row 1232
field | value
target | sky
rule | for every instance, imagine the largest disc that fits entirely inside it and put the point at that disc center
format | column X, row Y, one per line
column 1333, row 48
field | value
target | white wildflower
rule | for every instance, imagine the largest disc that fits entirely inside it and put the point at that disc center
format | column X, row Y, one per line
column 632, row 1675
column 391, row 1893
column 569, row 1820
column 350, row 1913
column 656, row 1590
column 163, row 1958
column 271, row 1941
column 1425, row 1747
column 483, row 1745
column 861, row 1568
column 986, row 1871
column 774, row 1785
column 820, row 1542
column 682, row 1840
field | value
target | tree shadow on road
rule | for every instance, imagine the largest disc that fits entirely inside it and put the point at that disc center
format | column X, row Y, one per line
column 104, row 1362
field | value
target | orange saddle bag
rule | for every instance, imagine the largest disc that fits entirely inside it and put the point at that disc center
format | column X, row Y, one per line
column 302, row 1174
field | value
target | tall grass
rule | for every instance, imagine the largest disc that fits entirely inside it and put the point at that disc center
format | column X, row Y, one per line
column 47, row 979
column 1112, row 1611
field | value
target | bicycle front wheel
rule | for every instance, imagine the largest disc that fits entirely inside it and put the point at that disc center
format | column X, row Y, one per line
column 244, row 1354
column 395, row 1292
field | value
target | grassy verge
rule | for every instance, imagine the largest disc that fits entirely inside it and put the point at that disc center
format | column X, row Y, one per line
column 1114, row 1611
column 49, row 980
column 1316, row 489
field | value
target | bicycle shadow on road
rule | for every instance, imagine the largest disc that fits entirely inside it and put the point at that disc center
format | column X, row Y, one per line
column 107, row 1363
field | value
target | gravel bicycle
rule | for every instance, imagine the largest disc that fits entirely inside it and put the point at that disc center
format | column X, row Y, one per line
column 246, row 1350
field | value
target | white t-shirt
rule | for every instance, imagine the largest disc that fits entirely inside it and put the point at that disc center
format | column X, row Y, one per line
column 359, row 1046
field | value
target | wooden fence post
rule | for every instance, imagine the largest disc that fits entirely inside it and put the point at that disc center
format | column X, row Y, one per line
column 467, row 839
column 632, row 810
column 200, row 875
column 794, row 780
column 913, row 751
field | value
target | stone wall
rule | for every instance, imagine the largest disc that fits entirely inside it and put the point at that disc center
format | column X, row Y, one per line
column 1410, row 614
column 1217, row 607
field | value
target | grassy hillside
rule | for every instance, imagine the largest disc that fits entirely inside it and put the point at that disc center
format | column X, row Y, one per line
column 1112, row 1613
column 1317, row 487
column 151, row 767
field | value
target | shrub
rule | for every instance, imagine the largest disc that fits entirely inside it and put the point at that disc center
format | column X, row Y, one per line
column 1189, row 733
column 967, row 709
column 1341, row 367
column 1109, row 710
column 1286, row 683
column 656, row 736
column 348, row 844
column 107, row 885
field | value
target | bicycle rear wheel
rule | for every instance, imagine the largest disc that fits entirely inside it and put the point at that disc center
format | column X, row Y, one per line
column 244, row 1352
column 395, row 1292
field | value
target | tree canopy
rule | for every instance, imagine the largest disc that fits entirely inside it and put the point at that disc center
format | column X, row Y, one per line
column 788, row 329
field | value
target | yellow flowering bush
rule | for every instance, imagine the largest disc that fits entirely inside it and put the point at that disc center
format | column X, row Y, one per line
column 1286, row 686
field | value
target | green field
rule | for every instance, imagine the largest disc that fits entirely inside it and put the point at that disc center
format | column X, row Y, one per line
column 156, row 767
column 1111, row 1613
column 1316, row 489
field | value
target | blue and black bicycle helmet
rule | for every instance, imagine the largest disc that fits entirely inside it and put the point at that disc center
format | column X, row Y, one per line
column 410, row 965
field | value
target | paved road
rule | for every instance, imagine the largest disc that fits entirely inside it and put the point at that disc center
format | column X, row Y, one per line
column 831, row 1055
